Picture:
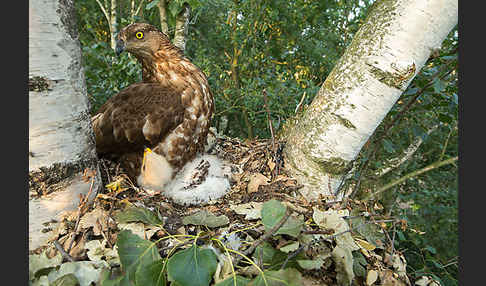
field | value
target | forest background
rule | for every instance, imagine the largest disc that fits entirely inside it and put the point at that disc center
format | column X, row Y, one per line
column 287, row 48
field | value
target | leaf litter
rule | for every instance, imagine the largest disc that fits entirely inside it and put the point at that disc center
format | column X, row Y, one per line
column 127, row 236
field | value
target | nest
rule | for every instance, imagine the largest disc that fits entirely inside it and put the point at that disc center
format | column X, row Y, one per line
column 258, row 176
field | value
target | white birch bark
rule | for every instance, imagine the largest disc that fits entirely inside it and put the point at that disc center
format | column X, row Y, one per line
column 111, row 19
column 134, row 12
column 61, row 143
column 112, row 24
column 181, row 25
column 163, row 17
column 384, row 56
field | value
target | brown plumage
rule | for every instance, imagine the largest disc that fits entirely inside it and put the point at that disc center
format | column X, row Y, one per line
column 169, row 111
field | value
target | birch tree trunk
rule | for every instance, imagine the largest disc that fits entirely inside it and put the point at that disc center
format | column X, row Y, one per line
column 383, row 58
column 134, row 12
column 112, row 23
column 111, row 19
column 163, row 17
column 61, row 142
column 181, row 25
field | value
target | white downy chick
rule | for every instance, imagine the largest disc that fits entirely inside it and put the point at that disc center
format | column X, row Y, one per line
column 156, row 171
column 203, row 179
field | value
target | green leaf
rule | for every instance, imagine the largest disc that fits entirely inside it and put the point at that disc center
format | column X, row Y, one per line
column 151, row 4
column 42, row 281
column 192, row 266
column 273, row 212
column 240, row 281
column 135, row 252
column 359, row 264
column 419, row 132
column 287, row 277
column 451, row 57
column 311, row 264
column 388, row 146
column 454, row 98
column 431, row 249
column 86, row 272
column 400, row 235
column 121, row 280
column 138, row 214
column 359, row 270
column 439, row 86
column 41, row 261
column 411, row 91
column 66, row 280
column 274, row 258
column 206, row 218
column 344, row 262
column 152, row 274
column 445, row 118
column 359, row 258
column 266, row 253
column 194, row 3
column 290, row 247
column 174, row 7
column 293, row 226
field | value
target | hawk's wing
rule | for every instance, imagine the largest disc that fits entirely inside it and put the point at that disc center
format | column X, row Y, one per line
column 140, row 115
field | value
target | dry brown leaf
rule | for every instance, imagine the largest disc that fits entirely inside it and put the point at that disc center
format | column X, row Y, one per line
column 271, row 164
column 256, row 180
column 251, row 210
column 89, row 220
column 296, row 208
column 281, row 177
column 244, row 160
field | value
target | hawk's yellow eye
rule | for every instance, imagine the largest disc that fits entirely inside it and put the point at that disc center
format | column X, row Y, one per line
column 139, row 35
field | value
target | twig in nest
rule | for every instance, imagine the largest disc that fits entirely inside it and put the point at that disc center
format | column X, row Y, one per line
column 106, row 171
column 82, row 207
column 269, row 120
column 320, row 231
column 265, row 236
column 62, row 251
column 391, row 241
column 105, row 236
column 276, row 171
column 293, row 254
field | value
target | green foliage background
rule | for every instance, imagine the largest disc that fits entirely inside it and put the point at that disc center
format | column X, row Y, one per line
column 288, row 48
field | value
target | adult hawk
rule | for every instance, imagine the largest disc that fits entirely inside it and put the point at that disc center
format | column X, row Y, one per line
column 168, row 112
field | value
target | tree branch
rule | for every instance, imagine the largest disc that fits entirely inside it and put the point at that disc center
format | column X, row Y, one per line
column 104, row 11
column 394, row 121
column 394, row 163
column 446, row 143
column 413, row 174
column 265, row 236
column 139, row 7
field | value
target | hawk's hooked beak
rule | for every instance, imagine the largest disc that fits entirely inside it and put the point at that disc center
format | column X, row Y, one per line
column 120, row 47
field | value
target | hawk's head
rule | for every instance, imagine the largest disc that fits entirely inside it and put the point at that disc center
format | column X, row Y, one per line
column 141, row 39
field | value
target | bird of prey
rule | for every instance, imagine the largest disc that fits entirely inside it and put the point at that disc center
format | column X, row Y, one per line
column 169, row 111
